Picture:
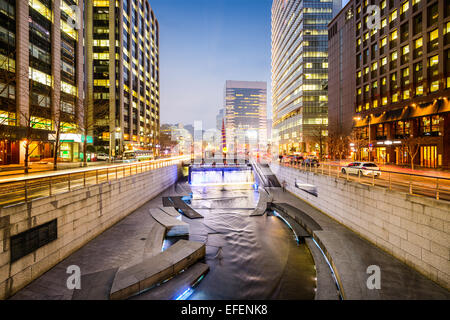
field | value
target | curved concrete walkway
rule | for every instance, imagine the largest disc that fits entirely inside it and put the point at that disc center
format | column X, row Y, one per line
column 350, row 256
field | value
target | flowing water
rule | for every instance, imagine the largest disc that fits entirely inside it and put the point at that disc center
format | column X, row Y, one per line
column 249, row 257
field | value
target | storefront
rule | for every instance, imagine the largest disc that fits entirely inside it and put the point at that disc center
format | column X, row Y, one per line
column 429, row 157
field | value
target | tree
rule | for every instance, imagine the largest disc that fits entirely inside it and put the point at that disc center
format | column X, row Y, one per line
column 412, row 146
column 98, row 110
column 319, row 137
column 358, row 142
column 61, row 122
column 338, row 145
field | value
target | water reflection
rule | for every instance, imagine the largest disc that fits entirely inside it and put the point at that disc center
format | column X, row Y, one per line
column 249, row 257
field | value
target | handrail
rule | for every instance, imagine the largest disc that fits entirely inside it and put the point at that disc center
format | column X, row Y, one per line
column 24, row 188
column 430, row 186
column 47, row 174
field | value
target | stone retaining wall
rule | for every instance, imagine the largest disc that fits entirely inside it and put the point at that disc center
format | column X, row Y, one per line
column 81, row 215
column 414, row 229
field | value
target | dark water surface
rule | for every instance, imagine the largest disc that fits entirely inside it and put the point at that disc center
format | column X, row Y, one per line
column 249, row 257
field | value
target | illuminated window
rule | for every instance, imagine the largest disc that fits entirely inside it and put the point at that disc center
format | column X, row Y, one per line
column 434, row 86
column 383, row 22
column 359, row 91
column 383, row 61
column 383, row 42
column 405, row 50
column 366, row 88
column 40, row 77
column 375, row 103
column 418, row 43
column 434, row 34
column 383, row 81
column 325, row 65
column 384, row 101
column 393, row 15
column 308, row 65
column 358, row 26
column 68, row 88
column 358, row 10
column 359, row 74
column 366, row 36
column 405, row 72
column 375, row 84
column 383, row 4
column 395, row 97
column 393, row 35
column 366, row 70
column 394, row 56
column 374, row 66
column 419, row 90
column 405, row 95
column 405, row 7
column 433, row 61
column 41, row 8
column 69, row 30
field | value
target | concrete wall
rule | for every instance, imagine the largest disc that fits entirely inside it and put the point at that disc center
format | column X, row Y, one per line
column 414, row 229
column 82, row 215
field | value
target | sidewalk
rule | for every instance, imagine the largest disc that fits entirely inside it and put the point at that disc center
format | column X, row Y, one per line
column 351, row 255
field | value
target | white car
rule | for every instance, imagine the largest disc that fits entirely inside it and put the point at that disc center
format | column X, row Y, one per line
column 102, row 157
column 362, row 168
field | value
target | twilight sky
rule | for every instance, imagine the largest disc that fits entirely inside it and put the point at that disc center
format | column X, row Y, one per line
column 203, row 43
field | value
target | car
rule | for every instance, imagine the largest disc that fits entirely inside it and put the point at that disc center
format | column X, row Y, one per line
column 102, row 157
column 362, row 168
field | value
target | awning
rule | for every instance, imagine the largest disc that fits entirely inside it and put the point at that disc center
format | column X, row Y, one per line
column 408, row 112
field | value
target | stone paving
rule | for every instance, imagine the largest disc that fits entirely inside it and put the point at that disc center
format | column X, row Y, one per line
column 351, row 255
column 122, row 244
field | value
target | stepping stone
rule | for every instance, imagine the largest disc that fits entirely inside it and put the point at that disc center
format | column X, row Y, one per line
column 174, row 227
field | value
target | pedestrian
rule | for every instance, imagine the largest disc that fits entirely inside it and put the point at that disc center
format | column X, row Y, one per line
column 283, row 185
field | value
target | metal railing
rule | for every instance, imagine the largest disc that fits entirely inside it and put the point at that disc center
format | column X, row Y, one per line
column 24, row 189
column 414, row 184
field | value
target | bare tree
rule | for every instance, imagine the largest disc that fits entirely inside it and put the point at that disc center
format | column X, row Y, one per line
column 338, row 145
column 99, row 110
column 358, row 142
column 319, row 136
column 412, row 146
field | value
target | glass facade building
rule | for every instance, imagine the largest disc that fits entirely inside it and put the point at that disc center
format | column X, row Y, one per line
column 300, row 73
column 123, row 75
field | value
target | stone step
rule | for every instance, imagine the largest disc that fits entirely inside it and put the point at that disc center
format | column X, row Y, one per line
column 174, row 227
column 176, row 286
column 151, row 271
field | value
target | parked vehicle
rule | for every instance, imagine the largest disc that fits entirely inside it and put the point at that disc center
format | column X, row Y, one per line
column 102, row 157
column 362, row 168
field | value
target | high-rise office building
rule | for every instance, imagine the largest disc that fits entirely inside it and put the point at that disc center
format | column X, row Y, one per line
column 219, row 119
column 41, row 78
column 300, row 73
column 122, row 40
column 246, row 112
column 400, row 80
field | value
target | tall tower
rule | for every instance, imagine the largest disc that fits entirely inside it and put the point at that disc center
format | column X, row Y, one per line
column 300, row 72
column 123, row 74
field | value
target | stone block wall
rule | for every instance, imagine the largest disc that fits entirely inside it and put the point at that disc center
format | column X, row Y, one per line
column 81, row 215
column 414, row 229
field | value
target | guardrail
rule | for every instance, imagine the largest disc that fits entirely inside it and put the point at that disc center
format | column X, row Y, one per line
column 414, row 184
column 24, row 189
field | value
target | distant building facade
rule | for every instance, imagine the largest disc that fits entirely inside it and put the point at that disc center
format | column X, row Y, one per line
column 246, row 112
